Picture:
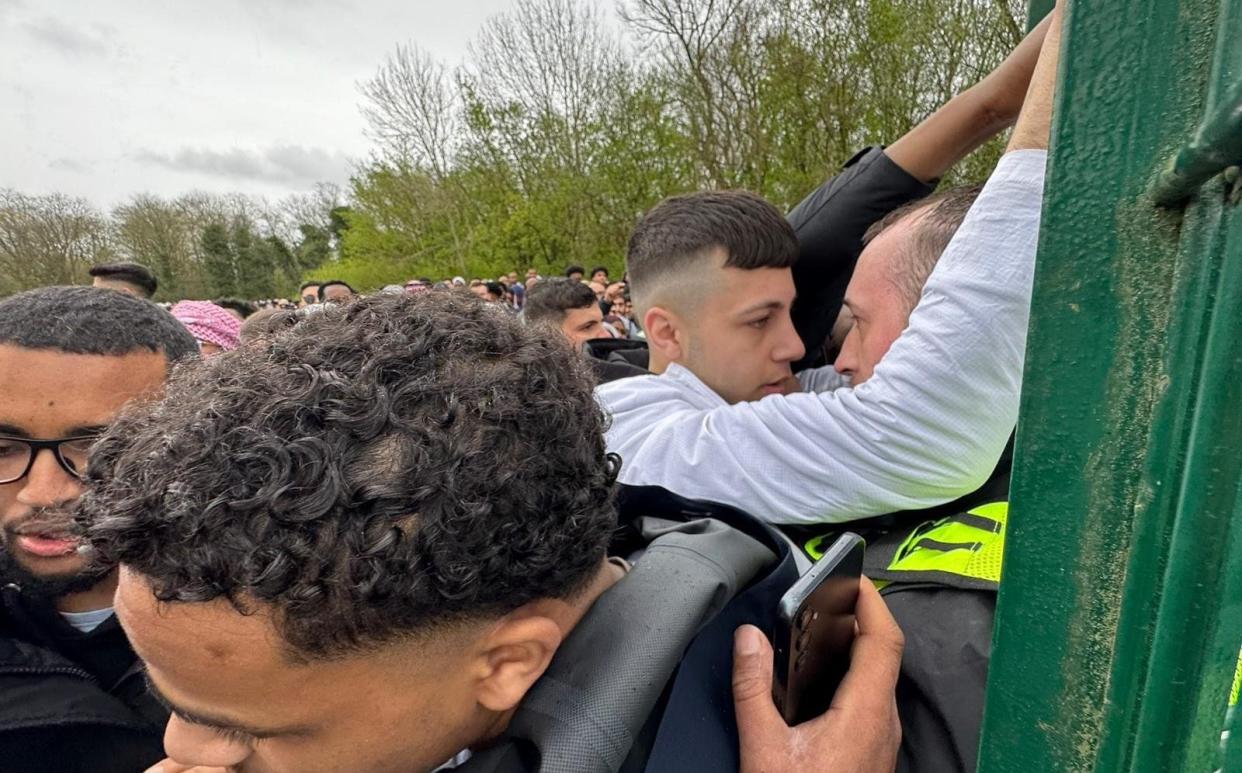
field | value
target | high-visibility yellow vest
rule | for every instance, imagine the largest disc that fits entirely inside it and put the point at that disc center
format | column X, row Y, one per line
column 963, row 550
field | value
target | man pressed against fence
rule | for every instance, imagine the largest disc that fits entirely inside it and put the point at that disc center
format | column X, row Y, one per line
column 361, row 546
column 70, row 697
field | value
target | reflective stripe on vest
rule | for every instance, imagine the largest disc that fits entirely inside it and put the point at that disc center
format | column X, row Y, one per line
column 1237, row 683
column 963, row 550
column 968, row 545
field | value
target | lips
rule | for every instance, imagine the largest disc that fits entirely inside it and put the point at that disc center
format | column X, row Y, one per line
column 47, row 546
column 46, row 540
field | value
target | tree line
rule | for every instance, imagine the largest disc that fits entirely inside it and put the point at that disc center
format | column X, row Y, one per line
column 558, row 129
column 199, row 245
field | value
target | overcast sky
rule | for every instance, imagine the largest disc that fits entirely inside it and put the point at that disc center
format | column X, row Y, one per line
column 107, row 98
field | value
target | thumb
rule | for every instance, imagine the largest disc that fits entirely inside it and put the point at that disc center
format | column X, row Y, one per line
column 752, row 681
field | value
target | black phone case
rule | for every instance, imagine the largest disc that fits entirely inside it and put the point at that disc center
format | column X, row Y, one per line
column 815, row 630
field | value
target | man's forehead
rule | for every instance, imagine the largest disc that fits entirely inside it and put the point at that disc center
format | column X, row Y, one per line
column 744, row 288
column 47, row 391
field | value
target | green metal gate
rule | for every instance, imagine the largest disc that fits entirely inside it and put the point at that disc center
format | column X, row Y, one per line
column 1120, row 615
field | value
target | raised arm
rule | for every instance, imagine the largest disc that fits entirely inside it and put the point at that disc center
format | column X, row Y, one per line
column 831, row 221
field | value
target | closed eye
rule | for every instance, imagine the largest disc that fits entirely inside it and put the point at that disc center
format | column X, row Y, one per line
column 233, row 736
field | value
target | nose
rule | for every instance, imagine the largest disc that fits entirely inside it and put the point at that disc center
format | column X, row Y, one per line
column 47, row 484
column 190, row 744
column 790, row 347
column 847, row 359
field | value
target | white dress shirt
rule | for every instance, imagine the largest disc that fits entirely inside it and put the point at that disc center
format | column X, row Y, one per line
column 926, row 428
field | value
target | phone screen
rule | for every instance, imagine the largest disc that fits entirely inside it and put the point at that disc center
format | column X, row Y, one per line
column 815, row 630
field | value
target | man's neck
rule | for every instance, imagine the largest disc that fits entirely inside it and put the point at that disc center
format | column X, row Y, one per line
column 657, row 363
column 97, row 597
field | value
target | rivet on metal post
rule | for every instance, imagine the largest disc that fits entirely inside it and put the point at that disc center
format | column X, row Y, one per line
column 1216, row 146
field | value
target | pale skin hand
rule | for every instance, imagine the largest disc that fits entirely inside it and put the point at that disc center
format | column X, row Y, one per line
column 860, row 732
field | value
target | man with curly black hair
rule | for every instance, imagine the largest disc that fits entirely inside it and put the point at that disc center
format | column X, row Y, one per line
column 70, row 696
column 360, row 545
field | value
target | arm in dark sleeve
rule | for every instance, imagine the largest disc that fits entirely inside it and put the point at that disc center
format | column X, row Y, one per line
column 830, row 224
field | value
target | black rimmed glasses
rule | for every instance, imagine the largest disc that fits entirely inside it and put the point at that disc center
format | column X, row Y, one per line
column 17, row 455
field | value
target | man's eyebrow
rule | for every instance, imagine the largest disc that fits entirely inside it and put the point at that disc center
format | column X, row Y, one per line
column 80, row 431
column 765, row 306
column 87, row 430
column 217, row 723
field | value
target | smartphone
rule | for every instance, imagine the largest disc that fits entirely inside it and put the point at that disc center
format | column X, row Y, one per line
column 815, row 630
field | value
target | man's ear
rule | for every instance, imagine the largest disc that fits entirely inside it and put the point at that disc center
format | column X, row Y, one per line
column 515, row 655
column 665, row 334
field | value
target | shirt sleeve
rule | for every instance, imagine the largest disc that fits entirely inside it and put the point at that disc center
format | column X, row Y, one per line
column 926, row 428
column 830, row 224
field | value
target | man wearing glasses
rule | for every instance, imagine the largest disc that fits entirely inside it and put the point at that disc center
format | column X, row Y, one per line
column 71, row 696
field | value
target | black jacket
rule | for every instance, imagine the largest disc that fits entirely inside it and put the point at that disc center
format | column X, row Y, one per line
column 71, row 701
column 830, row 223
column 643, row 683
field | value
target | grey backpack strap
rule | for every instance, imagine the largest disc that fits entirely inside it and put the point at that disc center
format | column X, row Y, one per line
column 607, row 677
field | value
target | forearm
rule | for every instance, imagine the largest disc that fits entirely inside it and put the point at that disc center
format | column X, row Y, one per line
column 951, row 133
column 974, row 116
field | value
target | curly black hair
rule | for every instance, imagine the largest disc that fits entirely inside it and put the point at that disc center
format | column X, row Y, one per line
column 376, row 470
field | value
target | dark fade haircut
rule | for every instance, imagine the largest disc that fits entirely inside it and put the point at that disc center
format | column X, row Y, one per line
column 598, row 269
column 125, row 271
column 380, row 469
column 574, row 270
column 550, row 299
column 92, row 320
column 325, row 285
column 679, row 232
column 244, row 308
column 938, row 218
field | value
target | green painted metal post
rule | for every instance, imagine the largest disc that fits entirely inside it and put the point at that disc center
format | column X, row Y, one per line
column 1120, row 614
column 1036, row 11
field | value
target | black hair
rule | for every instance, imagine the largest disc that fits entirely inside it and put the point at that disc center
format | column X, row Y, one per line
column 381, row 468
column 550, row 299
column 134, row 273
column 311, row 283
column 598, row 269
column 574, row 270
column 495, row 288
column 244, row 308
column 331, row 282
column 679, row 231
column 92, row 320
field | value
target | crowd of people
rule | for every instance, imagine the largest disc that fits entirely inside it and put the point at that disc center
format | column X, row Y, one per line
column 544, row 528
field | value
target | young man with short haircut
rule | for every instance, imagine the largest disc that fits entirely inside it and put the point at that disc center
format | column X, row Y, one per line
column 568, row 306
column 71, row 696
column 132, row 278
column 388, row 535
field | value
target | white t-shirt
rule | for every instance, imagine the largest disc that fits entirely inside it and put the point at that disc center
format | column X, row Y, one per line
column 87, row 621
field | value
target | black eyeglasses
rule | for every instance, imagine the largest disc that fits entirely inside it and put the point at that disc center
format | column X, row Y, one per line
column 17, row 455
